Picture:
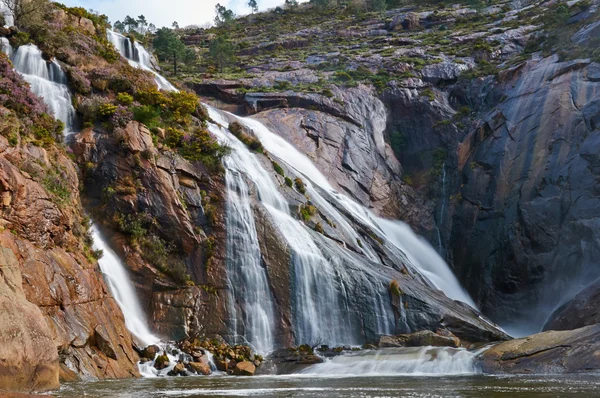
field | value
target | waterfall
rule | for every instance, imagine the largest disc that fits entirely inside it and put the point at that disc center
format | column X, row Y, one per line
column 122, row 290
column 397, row 234
column 442, row 212
column 336, row 299
column 48, row 81
column 5, row 47
column 138, row 57
column 417, row 361
column 247, row 278
column 323, row 307
column 8, row 17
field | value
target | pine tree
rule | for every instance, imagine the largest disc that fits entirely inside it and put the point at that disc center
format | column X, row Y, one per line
column 253, row 5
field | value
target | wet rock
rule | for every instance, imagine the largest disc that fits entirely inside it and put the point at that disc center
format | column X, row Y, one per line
column 222, row 364
column 580, row 311
column 552, row 352
column 419, row 339
column 162, row 362
column 516, row 224
column 178, row 370
column 150, row 352
column 244, row 368
column 101, row 341
column 199, row 368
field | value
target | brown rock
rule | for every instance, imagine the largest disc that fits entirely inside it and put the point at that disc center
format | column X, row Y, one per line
column 553, row 352
column 222, row 364
column 28, row 356
column 150, row 352
column 199, row 368
column 177, row 370
column 244, row 368
column 419, row 339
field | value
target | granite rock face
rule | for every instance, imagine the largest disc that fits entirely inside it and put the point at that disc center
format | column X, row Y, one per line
column 525, row 219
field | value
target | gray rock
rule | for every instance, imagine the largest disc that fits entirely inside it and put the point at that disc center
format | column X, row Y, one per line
column 443, row 72
column 582, row 310
column 586, row 34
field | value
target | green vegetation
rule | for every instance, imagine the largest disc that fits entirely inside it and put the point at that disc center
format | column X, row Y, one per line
column 300, row 187
column 395, row 288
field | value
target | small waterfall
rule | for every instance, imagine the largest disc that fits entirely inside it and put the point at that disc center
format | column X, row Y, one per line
column 48, row 81
column 417, row 361
column 440, row 222
column 122, row 290
column 138, row 57
column 8, row 17
column 5, row 47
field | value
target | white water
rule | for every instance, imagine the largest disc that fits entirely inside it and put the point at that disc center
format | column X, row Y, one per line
column 247, row 278
column 123, row 290
column 8, row 17
column 48, row 81
column 5, row 47
column 324, row 275
column 396, row 233
column 138, row 57
column 320, row 278
column 417, row 361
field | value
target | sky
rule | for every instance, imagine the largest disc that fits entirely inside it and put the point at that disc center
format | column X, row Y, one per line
column 164, row 12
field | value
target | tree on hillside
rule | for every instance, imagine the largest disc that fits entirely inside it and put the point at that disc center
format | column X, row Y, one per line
column 151, row 28
column 291, row 3
column 24, row 11
column 142, row 24
column 221, row 52
column 168, row 46
column 253, row 5
column 119, row 26
column 130, row 23
column 320, row 3
column 175, row 25
column 224, row 15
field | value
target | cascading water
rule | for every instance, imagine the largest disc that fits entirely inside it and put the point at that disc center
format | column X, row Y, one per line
column 48, row 81
column 323, row 307
column 122, row 290
column 324, row 274
column 5, row 47
column 396, row 233
column 247, row 278
column 138, row 57
column 8, row 17
column 417, row 361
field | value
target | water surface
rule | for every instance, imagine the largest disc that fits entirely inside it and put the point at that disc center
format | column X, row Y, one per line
column 336, row 387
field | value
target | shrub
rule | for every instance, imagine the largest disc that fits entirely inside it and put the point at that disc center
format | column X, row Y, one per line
column 278, row 168
column 289, row 182
column 148, row 115
column 124, row 99
column 300, row 185
column 395, row 288
column 121, row 116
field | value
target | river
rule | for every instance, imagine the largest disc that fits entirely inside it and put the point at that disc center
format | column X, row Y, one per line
column 334, row 387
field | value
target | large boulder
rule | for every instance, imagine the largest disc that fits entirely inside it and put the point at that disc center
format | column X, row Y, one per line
column 551, row 352
column 199, row 368
column 582, row 310
column 244, row 368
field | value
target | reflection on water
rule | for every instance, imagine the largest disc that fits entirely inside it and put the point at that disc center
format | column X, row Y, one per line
column 336, row 387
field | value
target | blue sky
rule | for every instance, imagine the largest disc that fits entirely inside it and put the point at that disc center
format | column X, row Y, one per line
column 163, row 13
